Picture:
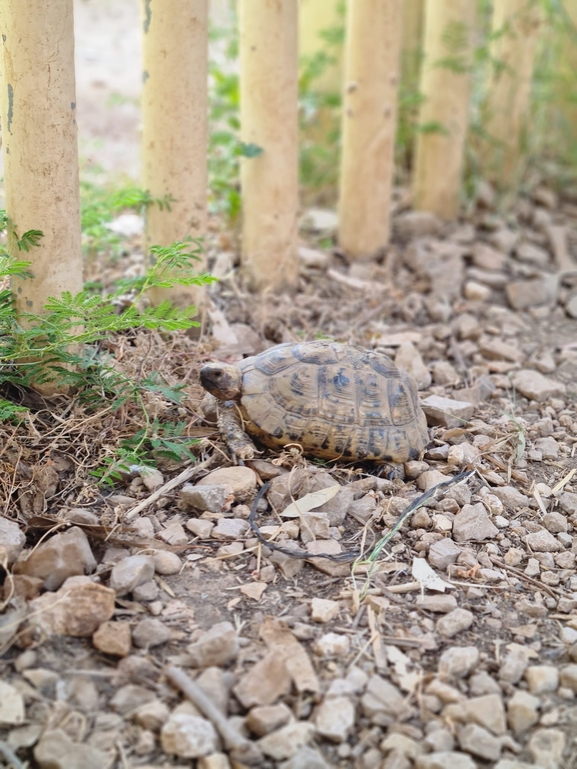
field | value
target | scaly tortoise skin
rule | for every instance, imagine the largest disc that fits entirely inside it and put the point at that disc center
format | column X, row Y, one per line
column 335, row 400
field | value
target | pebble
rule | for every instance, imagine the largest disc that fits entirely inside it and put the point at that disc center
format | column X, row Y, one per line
column 486, row 257
column 230, row 529
column 417, row 224
column 323, row 610
column 476, row 292
column 62, row 556
column 130, row 572
column 200, row 527
column 148, row 591
column 335, row 718
column 473, row 524
column 264, row 683
column 522, row 712
column 409, row 359
column 487, row 711
column 217, row 646
column 543, row 541
column 152, row 478
column 439, row 603
column 264, row 719
column 212, row 497
column 305, row 758
column 188, row 736
column 113, row 638
column 447, row 412
column 287, row 741
column 542, row 678
column 166, row 563
column 382, row 703
column 332, row 645
column 431, row 478
column 150, row 632
column 11, row 705
column 174, row 534
column 454, row 622
column 547, row 746
column 478, row 741
column 534, row 386
column 495, row 349
column 511, row 497
column 568, row 677
column 522, row 294
column 77, row 609
column 152, row 715
column 532, row 254
column 568, row 502
column 555, row 523
column 444, row 760
column 12, row 541
column 548, row 447
column 443, row 553
column 482, row 683
column 55, row 750
column 242, row 481
column 130, row 697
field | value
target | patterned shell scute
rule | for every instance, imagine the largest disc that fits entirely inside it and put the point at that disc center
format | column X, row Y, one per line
column 333, row 399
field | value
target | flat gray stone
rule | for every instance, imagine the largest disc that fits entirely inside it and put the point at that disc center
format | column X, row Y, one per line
column 473, row 524
column 446, row 411
column 534, row 386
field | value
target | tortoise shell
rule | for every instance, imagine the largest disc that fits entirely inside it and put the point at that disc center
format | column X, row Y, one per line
column 336, row 400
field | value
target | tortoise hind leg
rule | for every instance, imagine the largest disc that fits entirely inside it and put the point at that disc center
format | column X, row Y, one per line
column 230, row 426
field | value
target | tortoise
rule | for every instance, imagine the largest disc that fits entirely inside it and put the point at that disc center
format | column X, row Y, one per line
column 335, row 400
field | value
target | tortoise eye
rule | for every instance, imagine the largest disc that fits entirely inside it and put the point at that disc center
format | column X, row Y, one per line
column 218, row 374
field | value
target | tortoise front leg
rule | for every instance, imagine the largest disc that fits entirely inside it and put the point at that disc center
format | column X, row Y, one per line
column 230, row 426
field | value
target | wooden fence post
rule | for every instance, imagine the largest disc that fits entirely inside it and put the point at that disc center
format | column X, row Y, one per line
column 515, row 28
column 269, row 119
column 40, row 147
column 443, row 118
column 369, row 120
column 175, row 126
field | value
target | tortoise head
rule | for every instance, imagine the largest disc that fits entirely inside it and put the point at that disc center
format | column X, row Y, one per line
column 221, row 380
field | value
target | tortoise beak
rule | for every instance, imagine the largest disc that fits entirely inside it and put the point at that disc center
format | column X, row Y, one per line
column 219, row 382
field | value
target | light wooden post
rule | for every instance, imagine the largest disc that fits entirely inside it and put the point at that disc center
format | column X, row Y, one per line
column 369, row 121
column 445, row 83
column 175, row 126
column 515, row 28
column 269, row 104
column 40, row 147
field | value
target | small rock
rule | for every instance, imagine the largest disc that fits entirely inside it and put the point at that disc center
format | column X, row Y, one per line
column 150, row 632
column 267, row 718
column 496, row 349
column 443, row 553
column 130, row 572
column 152, row 715
column 230, row 529
column 478, row 741
column 332, row 645
column 335, row 718
column 555, row 523
column 438, row 603
column 547, row 746
column 200, row 527
column 510, row 497
column 431, row 478
column 218, row 646
column 542, row 678
column 305, row 758
column 148, row 591
column 409, row 359
column 330, row 547
column 522, row 712
column 113, row 638
column 482, row 683
column 242, row 480
column 287, row 741
column 188, row 736
column 568, row 677
column 214, row 683
column 152, row 478
column 323, row 610
column 522, row 294
column 458, row 661
column 11, row 705
column 532, row 254
column 476, row 292
column 446, row 411
column 62, row 556
column 55, row 750
column 130, row 697
column 543, row 541
column 417, row 224
column 534, row 386
column 487, row 258
column 174, row 534
column 313, row 259
column 166, row 563
column 473, row 524
column 12, row 541
column 487, row 711
column 568, row 502
column 382, row 703
column 454, row 622
column 571, row 306
column 212, row 497
column 444, row 760
column 548, row 447
column 264, row 683
column 320, row 220
column 77, row 609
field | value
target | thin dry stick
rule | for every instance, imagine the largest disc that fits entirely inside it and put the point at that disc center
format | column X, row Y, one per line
column 244, row 750
column 168, row 486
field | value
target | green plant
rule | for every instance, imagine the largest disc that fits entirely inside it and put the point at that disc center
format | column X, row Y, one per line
column 62, row 344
